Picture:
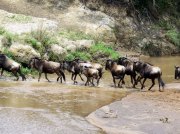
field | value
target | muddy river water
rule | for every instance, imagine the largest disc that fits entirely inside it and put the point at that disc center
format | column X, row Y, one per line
column 39, row 108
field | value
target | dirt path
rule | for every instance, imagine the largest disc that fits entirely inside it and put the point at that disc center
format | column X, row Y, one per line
column 142, row 113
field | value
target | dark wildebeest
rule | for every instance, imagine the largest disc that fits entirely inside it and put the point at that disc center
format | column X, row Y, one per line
column 91, row 74
column 177, row 72
column 11, row 66
column 128, row 64
column 47, row 67
column 149, row 71
column 117, row 71
column 76, row 67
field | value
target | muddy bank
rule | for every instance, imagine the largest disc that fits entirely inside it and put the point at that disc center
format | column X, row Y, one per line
column 142, row 113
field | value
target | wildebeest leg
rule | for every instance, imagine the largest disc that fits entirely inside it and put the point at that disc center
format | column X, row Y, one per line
column 46, row 77
column 92, row 81
column 75, row 78
column 87, row 81
column 22, row 75
column 98, row 81
column 72, row 76
column 81, row 77
column 143, row 83
column 39, row 76
column 153, row 83
column 15, row 74
column 114, row 82
column 2, row 70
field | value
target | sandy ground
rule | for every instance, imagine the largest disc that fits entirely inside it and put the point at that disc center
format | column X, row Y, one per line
column 144, row 112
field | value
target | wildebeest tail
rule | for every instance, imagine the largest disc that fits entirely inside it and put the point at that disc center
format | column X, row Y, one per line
column 161, row 81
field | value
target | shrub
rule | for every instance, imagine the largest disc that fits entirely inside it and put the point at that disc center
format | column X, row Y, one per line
column 74, row 35
column 2, row 30
column 103, row 50
column 83, row 55
column 8, row 53
column 174, row 37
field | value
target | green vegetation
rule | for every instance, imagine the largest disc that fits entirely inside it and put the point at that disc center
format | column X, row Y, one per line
column 40, row 40
column 79, row 54
column 19, row 18
column 103, row 50
column 99, row 50
column 174, row 37
column 74, row 35
column 8, row 53
column 2, row 30
column 26, row 70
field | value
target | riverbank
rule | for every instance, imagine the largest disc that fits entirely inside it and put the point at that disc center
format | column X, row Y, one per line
column 141, row 113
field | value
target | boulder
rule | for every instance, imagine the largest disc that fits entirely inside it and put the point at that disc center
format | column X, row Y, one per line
column 84, row 44
column 23, row 53
column 57, row 49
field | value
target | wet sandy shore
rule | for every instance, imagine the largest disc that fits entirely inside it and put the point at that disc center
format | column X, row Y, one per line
column 143, row 112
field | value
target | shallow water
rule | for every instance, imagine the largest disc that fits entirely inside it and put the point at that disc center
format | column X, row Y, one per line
column 43, row 107
column 167, row 66
column 32, row 107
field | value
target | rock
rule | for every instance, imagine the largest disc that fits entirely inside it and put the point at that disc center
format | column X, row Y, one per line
column 94, row 23
column 71, row 48
column 84, row 44
column 1, row 44
column 23, row 53
column 57, row 49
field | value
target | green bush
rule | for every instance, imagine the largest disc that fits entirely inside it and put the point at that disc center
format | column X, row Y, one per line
column 8, row 53
column 83, row 55
column 102, row 50
column 26, row 71
column 2, row 30
column 174, row 37
column 74, row 35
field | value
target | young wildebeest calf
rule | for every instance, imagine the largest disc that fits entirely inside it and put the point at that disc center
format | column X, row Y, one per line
column 117, row 71
column 10, row 66
column 177, row 72
column 149, row 71
column 47, row 67
column 91, row 74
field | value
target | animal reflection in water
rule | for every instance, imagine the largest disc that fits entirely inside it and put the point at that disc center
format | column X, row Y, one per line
column 92, row 71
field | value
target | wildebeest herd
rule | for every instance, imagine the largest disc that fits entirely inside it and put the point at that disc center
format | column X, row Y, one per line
column 139, row 71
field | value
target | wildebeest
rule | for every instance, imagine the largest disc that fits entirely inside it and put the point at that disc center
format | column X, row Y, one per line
column 91, row 74
column 47, row 67
column 76, row 67
column 128, row 64
column 149, row 71
column 177, row 72
column 117, row 71
column 10, row 66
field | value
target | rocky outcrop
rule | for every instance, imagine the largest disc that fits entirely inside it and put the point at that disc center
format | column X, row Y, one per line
column 23, row 53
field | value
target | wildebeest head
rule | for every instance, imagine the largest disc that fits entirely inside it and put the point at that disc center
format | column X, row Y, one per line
column 121, row 60
column 67, row 65
column 2, row 58
column 177, row 72
column 32, row 62
column 109, row 63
